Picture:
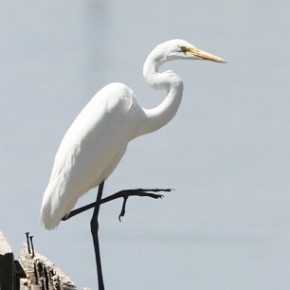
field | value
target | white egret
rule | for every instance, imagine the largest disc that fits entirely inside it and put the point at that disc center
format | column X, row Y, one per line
column 97, row 139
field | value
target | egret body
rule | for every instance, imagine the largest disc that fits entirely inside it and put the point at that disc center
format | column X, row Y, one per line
column 97, row 139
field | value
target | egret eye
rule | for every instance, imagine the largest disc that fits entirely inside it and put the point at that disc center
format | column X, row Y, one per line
column 183, row 49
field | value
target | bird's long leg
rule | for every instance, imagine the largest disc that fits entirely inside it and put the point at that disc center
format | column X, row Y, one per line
column 120, row 194
column 95, row 234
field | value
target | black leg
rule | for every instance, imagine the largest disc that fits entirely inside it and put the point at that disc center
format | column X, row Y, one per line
column 125, row 194
column 120, row 194
column 95, row 234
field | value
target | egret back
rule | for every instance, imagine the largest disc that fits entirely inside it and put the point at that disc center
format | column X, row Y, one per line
column 89, row 151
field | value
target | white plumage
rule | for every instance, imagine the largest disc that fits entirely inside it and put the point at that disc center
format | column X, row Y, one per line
column 89, row 151
column 98, row 138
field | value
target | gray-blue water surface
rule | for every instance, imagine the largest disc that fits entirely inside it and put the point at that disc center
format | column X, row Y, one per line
column 227, row 224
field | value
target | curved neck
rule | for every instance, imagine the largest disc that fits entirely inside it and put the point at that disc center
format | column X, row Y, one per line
column 154, row 119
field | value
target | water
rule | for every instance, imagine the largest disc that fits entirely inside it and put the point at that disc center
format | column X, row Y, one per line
column 226, row 154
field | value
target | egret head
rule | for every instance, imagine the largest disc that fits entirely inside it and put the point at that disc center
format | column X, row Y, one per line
column 181, row 49
column 172, row 50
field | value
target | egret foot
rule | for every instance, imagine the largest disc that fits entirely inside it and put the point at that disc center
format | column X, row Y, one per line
column 121, row 194
column 137, row 192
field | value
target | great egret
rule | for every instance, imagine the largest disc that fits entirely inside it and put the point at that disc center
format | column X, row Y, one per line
column 97, row 139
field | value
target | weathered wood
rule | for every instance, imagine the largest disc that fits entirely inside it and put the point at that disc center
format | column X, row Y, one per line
column 7, row 268
column 32, row 271
column 42, row 274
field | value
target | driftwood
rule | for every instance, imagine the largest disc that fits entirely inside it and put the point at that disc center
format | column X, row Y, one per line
column 31, row 271
column 7, row 267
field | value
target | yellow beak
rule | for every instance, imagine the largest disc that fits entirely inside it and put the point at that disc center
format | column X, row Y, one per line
column 203, row 55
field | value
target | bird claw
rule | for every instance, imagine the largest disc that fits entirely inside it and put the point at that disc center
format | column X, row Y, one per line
column 140, row 192
column 123, row 210
column 156, row 196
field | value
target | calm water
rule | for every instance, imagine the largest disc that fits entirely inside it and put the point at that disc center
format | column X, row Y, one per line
column 226, row 154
